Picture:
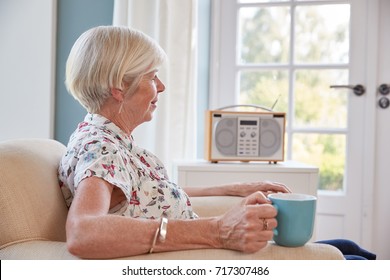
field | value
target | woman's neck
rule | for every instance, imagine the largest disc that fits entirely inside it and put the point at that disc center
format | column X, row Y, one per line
column 112, row 111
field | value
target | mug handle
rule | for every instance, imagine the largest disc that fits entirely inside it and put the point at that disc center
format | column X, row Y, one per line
column 275, row 231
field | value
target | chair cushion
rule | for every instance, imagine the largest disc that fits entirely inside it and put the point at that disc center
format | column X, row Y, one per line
column 31, row 203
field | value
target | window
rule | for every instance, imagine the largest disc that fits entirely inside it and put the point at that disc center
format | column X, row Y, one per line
column 290, row 51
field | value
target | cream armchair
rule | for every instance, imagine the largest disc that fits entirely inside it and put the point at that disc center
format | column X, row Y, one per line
column 33, row 212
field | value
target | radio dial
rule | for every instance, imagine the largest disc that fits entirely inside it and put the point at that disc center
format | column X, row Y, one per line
column 253, row 134
column 242, row 134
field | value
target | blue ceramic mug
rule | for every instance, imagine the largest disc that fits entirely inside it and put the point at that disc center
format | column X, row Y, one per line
column 296, row 216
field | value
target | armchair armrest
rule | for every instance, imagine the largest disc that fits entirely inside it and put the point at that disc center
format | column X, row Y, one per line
column 311, row 251
column 204, row 207
column 207, row 206
column 55, row 250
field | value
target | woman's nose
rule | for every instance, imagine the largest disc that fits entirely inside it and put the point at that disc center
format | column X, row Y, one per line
column 160, row 86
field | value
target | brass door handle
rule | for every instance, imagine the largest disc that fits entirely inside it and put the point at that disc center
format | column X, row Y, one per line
column 357, row 90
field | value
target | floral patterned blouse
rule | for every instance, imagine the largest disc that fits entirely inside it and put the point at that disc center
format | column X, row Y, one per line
column 100, row 148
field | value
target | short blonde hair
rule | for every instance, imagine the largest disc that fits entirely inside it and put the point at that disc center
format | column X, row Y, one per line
column 107, row 57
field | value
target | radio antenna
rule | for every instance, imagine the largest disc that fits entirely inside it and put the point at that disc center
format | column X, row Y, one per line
column 276, row 101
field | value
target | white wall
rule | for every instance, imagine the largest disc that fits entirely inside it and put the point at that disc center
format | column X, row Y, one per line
column 27, row 57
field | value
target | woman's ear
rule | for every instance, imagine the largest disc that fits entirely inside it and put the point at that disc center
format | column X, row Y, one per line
column 117, row 94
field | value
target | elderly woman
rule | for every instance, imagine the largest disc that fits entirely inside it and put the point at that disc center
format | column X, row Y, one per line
column 121, row 200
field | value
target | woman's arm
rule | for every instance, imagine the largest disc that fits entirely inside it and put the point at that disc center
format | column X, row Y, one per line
column 93, row 233
column 238, row 189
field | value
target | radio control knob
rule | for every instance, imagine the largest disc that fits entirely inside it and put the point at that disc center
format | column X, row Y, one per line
column 242, row 134
column 253, row 134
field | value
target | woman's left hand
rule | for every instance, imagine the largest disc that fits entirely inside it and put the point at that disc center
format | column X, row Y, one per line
column 239, row 189
column 266, row 187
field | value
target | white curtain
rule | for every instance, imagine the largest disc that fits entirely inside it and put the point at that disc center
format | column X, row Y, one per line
column 171, row 135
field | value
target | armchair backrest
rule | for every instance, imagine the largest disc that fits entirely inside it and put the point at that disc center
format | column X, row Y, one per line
column 31, row 203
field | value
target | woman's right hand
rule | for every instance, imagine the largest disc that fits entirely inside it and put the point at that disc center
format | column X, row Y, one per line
column 248, row 226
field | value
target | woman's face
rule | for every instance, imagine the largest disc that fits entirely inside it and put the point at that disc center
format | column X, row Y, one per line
column 143, row 102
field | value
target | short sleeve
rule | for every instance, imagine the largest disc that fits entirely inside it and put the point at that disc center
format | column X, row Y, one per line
column 103, row 159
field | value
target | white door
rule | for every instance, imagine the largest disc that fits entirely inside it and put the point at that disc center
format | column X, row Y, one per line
column 340, row 213
column 264, row 50
column 377, row 223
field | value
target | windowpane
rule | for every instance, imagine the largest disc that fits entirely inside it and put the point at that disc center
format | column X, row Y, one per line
column 297, row 63
column 322, row 33
column 327, row 151
column 264, row 88
column 264, row 34
column 316, row 104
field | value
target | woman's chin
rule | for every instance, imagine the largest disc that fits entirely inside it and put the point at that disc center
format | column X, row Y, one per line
column 148, row 117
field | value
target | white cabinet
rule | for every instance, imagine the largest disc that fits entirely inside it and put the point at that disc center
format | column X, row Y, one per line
column 301, row 178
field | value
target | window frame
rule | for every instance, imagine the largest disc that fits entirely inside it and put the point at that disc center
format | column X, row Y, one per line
column 220, row 93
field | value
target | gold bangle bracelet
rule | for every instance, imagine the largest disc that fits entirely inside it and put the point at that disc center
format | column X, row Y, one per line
column 154, row 241
column 161, row 232
column 163, row 229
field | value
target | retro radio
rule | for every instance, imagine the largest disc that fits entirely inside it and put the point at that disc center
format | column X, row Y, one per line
column 244, row 136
